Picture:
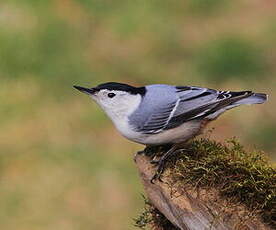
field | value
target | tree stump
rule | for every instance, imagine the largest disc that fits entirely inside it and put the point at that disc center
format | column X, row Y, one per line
column 190, row 208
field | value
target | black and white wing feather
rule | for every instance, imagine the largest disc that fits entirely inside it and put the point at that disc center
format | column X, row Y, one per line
column 208, row 105
column 185, row 103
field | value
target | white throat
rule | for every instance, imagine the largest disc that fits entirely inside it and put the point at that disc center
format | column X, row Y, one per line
column 124, row 109
column 119, row 110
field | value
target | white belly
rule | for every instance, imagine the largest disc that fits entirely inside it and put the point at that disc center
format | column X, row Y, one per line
column 176, row 135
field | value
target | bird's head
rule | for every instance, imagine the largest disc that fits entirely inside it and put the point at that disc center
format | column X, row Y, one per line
column 116, row 99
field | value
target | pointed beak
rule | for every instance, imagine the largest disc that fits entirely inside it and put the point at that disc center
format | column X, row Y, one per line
column 89, row 91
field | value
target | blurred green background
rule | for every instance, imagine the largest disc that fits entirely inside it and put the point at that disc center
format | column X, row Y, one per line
column 62, row 164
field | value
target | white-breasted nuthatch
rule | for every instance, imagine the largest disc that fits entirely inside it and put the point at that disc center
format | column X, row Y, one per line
column 165, row 114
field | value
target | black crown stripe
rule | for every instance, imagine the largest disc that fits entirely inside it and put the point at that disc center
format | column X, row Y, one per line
column 122, row 87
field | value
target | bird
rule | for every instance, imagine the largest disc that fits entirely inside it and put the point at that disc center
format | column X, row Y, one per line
column 161, row 114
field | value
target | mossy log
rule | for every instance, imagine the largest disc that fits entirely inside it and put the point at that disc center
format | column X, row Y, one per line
column 188, row 198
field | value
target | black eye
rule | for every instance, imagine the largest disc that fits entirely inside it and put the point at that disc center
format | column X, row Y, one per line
column 111, row 95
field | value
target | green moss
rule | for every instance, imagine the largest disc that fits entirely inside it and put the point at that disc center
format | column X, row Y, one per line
column 151, row 217
column 241, row 176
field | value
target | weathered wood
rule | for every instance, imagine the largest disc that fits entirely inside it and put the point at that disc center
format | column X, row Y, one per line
column 194, row 210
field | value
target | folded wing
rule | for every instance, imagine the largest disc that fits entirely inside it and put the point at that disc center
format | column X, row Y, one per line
column 191, row 103
column 163, row 113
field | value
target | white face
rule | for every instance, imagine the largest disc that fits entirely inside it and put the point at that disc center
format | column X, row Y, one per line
column 117, row 104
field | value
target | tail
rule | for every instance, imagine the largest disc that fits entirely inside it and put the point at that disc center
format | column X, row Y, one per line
column 253, row 98
column 234, row 99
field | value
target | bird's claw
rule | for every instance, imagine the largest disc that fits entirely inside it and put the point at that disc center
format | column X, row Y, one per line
column 159, row 171
column 154, row 162
column 140, row 152
column 161, row 164
column 156, row 176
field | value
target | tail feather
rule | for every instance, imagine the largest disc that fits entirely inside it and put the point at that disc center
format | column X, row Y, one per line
column 246, row 98
column 255, row 98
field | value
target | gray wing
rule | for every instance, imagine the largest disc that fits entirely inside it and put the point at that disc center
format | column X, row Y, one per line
column 187, row 103
column 158, row 119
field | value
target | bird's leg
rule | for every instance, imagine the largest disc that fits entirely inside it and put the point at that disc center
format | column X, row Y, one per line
column 140, row 152
column 162, row 149
column 148, row 151
column 161, row 162
column 153, row 151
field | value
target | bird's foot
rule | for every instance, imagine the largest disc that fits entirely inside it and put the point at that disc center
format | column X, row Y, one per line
column 154, row 161
column 140, row 152
column 162, row 162
column 159, row 171
column 152, row 151
column 159, row 151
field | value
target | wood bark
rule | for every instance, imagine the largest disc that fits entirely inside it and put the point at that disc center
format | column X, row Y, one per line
column 191, row 209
